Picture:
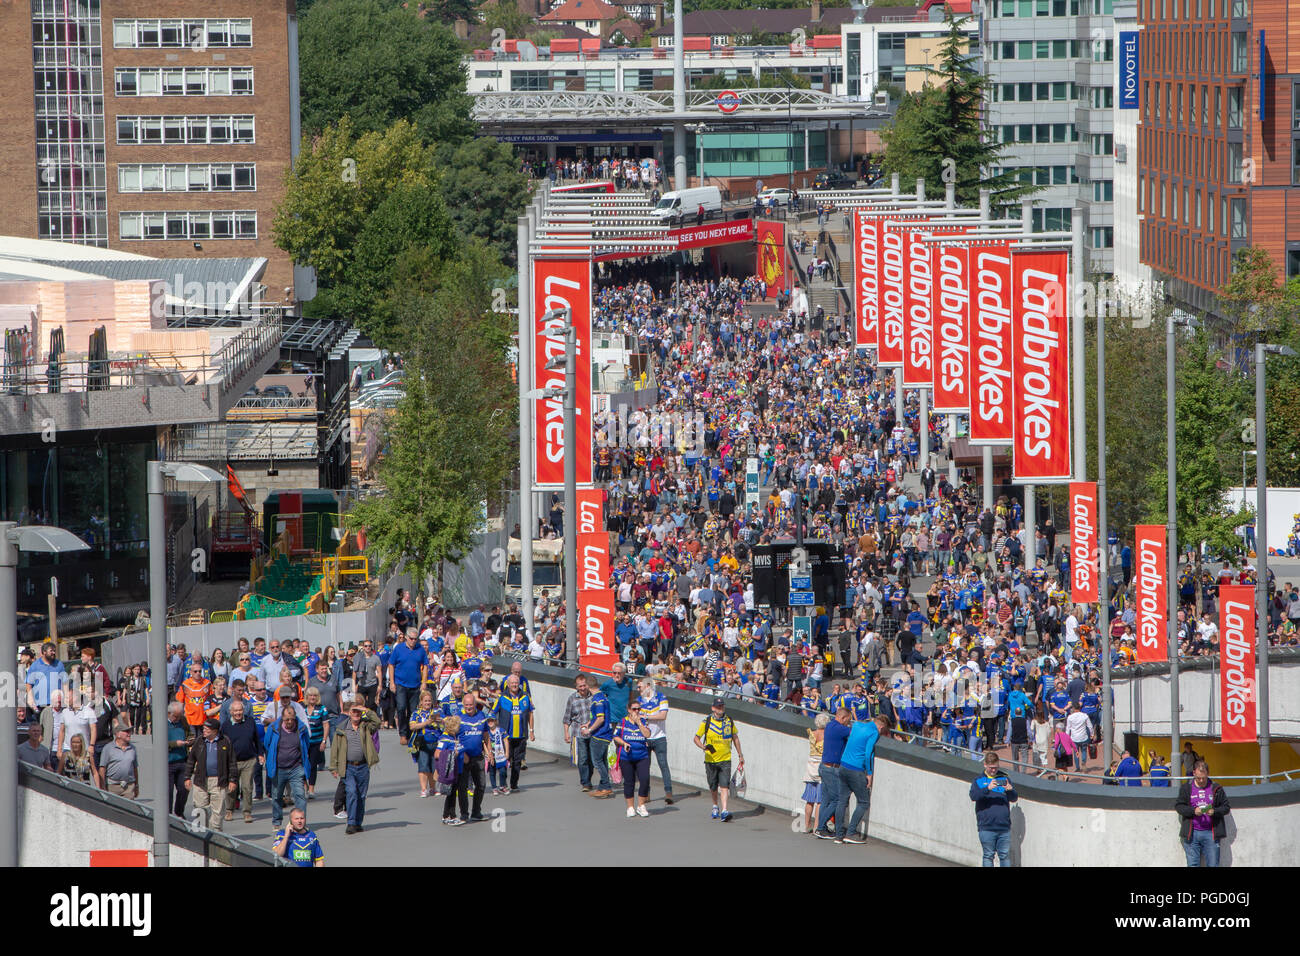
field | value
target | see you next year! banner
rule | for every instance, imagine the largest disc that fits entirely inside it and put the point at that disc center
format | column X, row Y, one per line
column 561, row 284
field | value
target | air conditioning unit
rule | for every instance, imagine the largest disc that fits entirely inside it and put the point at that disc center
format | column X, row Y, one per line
column 1121, row 152
column 882, row 99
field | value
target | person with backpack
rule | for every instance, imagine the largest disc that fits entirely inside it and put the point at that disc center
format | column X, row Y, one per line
column 716, row 736
column 447, row 756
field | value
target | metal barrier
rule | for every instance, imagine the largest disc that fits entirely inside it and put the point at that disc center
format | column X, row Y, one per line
column 221, row 617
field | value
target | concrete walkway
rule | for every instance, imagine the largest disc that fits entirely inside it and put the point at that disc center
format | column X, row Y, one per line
column 552, row 822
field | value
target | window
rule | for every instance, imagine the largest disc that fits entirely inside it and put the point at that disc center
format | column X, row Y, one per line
column 188, row 225
column 191, row 81
column 197, row 34
column 187, row 177
column 1101, row 97
column 1292, row 263
column 1238, row 210
column 1103, row 190
column 1295, row 162
column 1234, row 162
column 1239, row 61
column 1103, row 237
column 1198, row 208
column 185, row 129
column 1103, row 144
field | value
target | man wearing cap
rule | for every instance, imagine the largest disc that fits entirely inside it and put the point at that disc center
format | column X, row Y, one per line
column 352, row 754
column 716, row 736
column 211, row 772
column 283, row 701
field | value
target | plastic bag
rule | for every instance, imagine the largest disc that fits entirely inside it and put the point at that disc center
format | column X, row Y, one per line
column 738, row 781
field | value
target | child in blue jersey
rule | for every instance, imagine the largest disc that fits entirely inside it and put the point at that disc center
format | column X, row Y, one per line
column 449, row 741
column 499, row 765
column 772, row 693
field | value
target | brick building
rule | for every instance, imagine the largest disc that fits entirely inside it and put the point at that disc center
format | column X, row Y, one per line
column 163, row 127
column 1218, row 139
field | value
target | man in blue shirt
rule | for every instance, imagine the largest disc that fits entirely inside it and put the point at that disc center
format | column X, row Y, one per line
column 43, row 678
column 617, row 690
column 599, row 731
column 1129, row 770
column 473, row 737
column 405, row 678
column 857, row 767
column 297, row 844
column 834, row 738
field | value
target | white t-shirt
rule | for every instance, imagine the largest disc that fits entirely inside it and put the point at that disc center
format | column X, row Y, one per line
column 76, row 722
column 1071, row 629
column 536, row 649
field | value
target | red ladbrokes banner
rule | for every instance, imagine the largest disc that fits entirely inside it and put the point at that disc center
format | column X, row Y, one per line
column 892, row 296
column 561, row 284
column 1083, row 542
column 866, row 268
column 771, row 254
column 1040, row 386
column 1237, row 701
column 1152, row 592
column 918, row 318
column 591, row 511
column 951, row 311
column 990, row 343
column 596, row 631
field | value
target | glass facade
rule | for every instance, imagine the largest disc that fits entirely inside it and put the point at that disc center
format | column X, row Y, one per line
column 98, row 491
column 71, row 188
column 757, row 154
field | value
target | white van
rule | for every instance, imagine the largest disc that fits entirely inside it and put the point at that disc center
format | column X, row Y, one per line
column 684, row 204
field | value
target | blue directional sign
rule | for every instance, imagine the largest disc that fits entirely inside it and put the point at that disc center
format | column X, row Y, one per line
column 802, row 599
column 801, row 582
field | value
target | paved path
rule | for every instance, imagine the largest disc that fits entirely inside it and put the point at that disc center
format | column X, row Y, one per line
column 552, row 822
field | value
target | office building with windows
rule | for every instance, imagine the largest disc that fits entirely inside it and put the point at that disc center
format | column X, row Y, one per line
column 1050, row 100
column 1218, row 140
column 161, row 127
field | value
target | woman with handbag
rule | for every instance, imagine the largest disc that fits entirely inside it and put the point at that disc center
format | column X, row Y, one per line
column 634, row 758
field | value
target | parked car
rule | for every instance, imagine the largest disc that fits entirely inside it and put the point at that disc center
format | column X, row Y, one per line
column 277, row 391
column 832, row 180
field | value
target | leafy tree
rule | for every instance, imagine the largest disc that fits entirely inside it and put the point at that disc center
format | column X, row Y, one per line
column 334, row 186
column 1207, row 416
column 939, row 131
column 504, row 15
column 745, row 81
column 484, row 191
column 449, row 443
column 378, row 63
column 449, row 11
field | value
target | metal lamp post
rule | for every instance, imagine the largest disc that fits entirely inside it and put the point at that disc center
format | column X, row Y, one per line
column 37, row 539
column 157, row 472
column 1261, row 545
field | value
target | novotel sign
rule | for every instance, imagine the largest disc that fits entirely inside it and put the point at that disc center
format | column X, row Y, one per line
column 1130, row 70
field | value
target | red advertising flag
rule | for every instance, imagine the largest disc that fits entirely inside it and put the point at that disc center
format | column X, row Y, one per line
column 1152, row 593
column 866, row 265
column 593, row 561
column 1040, row 384
column 591, row 511
column 951, row 329
column 561, row 284
column 990, row 342
column 892, row 286
column 596, row 652
column 1237, row 701
column 1083, row 542
column 771, row 254
column 918, row 317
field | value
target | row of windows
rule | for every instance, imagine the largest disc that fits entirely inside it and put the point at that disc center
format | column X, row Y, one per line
column 78, row 9
column 1052, row 219
column 1040, row 133
column 1197, row 208
column 1102, row 52
column 1214, row 9
column 195, row 34
column 1043, row 175
column 1035, row 92
column 189, row 81
column 1180, row 105
column 188, row 225
column 61, row 81
column 1208, row 263
column 60, row 34
column 185, row 129
column 1050, row 8
column 1202, row 158
column 1202, row 51
column 185, row 177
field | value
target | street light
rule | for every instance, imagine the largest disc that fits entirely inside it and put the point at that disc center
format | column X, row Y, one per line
column 157, row 472
column 35, row 539
column 1171, row 507
column 1261, row 543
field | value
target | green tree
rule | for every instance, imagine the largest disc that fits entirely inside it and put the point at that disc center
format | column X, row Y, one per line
column 1208, row 405
column 484, row 190
column 377, row 63
column 336, row 183
column 504, row 15
column 449, row 11
column 449, row 443
column 938, row 135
